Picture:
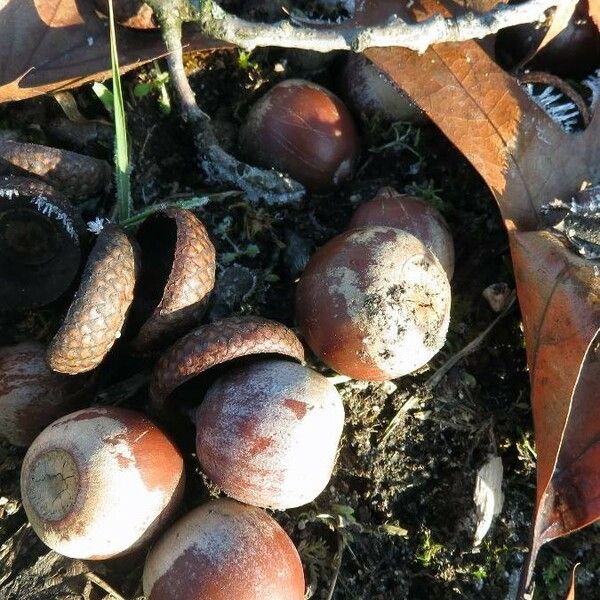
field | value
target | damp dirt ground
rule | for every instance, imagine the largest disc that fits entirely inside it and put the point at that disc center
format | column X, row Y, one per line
column 397, row 520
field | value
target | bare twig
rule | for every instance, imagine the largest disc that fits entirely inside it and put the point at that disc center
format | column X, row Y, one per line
column 219, row 166
column 272, row 186
column 222, row 25
column 338, row 566
column 103, row 585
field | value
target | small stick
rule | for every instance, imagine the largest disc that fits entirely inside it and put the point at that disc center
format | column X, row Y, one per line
column 103, row 585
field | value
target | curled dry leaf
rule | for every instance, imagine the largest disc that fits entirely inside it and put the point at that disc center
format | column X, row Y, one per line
column 48, row 45
column 559, row 293
column 526, row 160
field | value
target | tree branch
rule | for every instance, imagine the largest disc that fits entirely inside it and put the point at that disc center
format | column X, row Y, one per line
column 288, row 33
column 220, row 166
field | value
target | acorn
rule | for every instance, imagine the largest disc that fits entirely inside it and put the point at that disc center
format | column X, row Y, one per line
column 374, row 303
column 268, row 433
column 573, row 53
column 371, row 93
column 302, row 129
column 176, row 278
column 100, row 482
column 130, row 13
column 96, row 316
column 413, row 214
column 31, row 395
column 209, row 347
column 40, row 243
column 224, row 550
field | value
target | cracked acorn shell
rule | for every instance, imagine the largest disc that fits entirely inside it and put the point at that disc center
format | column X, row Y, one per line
column 40, row 243
column 31, row 395
column 176, row 278
column 224, row 550
column 268, row 433
column 96, row 316
column 210, row 346
column 100, row 482
column 374, row 303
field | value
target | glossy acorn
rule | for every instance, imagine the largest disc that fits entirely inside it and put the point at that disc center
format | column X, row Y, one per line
column 40, row 243
column 31, row 395
column 305, row 131
column 413, row 214
column 100, row 482
column 374, row 303
column 223, row 550
column 574, row 52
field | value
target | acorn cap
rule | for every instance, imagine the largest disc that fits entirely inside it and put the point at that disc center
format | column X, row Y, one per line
column 217, row 343
column 97, row 313
column 76, row 175
column 40, row 243
column 175, row 283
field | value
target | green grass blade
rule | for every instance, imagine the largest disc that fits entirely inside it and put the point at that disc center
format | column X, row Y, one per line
column 121, row 147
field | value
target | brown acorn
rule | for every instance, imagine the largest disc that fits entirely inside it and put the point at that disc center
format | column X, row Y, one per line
column 224, row 550
column 75, row 175
column 31, row 395
column 40, row 243
column 214, row 344
column 176, row 278
column 101, row 482
column 97, row 313
column 304, row 130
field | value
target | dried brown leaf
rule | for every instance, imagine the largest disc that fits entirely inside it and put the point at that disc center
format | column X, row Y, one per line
column 48, row 45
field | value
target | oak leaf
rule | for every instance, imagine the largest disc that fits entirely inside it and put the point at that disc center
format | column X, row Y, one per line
column 49, row 45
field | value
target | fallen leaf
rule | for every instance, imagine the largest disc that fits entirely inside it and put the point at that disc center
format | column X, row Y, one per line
column 48, row 45
column 488, row 116
column 527, row 160
column 559, row 294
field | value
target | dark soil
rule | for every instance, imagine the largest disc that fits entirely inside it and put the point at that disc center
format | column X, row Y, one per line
column 401, row 508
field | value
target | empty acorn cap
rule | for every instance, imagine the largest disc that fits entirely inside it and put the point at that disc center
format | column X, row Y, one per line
column 40, row 238
column 176, row 278
column 215, row 344
column 97, row 313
